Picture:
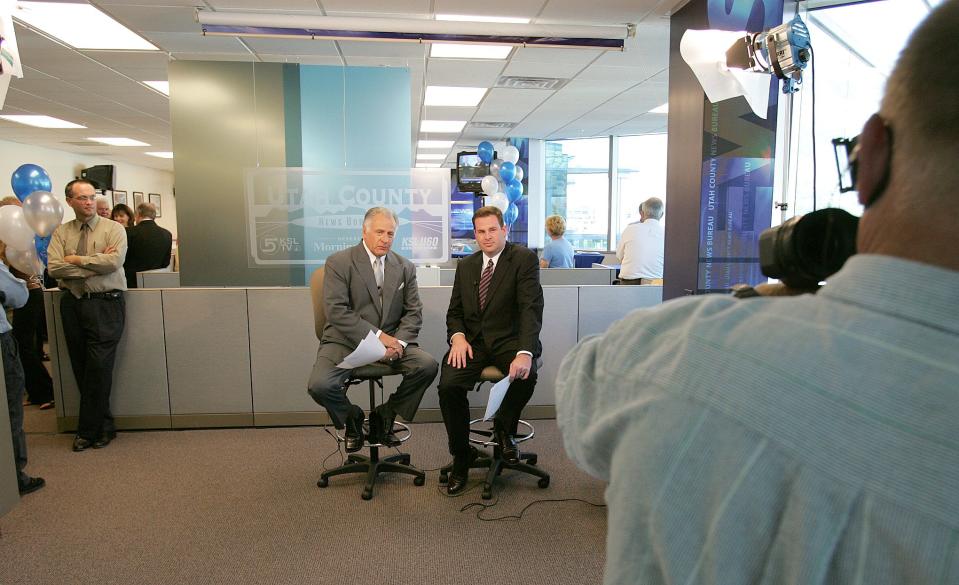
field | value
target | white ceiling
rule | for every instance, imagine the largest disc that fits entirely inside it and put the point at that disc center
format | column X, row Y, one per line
column 607, row 92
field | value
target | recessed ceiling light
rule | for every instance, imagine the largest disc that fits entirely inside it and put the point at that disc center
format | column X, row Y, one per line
column 442, row 95
column 160, row 86
column 450, row 126
column 467, row 51
column 160, row 154
column 428, row 165
column 430, row 157
column 41, row 121
column 81, row 26
column 434, row 144
column 118, row 141
column 479, row 18
column 663, row 109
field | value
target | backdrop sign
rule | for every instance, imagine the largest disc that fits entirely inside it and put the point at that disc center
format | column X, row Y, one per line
column 300, row 216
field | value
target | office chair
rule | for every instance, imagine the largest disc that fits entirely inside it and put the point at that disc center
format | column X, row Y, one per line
column 374, row 373
column 495, row 462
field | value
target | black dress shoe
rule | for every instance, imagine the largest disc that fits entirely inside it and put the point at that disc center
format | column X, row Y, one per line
column 32, row 485
column 353, row 440
column 506, row 444
column 80, row 444
column 388, row 437
column 457, row 482
column 104, row 439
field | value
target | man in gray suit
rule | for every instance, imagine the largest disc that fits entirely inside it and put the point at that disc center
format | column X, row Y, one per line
column 369, row 288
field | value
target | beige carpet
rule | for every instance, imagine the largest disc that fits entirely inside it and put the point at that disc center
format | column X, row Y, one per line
column 242, row 506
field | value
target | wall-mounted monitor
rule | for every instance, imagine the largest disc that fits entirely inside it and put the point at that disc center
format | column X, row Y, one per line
column 470, row 170
column 102, row 176
column 461, row 220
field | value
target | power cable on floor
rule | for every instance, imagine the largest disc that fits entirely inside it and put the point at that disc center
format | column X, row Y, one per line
column 483, row 507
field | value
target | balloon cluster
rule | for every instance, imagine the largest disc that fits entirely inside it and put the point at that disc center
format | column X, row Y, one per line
column 504, row 185
column 39, row 215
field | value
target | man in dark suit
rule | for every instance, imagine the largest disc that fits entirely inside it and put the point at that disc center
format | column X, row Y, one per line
column 150, row 246
column 494, row 318
column 370, row 288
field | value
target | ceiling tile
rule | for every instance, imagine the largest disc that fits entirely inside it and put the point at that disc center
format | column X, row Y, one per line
column 463, row 72
column 171, row 19
column 510, row 105
column 292, row 47
column 190, row 42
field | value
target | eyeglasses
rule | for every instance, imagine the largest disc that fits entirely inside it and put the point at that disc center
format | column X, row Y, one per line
column 84, row 198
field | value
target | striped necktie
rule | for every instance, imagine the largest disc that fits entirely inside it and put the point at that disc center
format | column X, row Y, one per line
column 484, row 284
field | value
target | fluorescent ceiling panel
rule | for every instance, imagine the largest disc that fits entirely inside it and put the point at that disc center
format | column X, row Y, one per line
column 161, row 86
column 447, row 126
column 41, row 121
column 663, row 109
column 430, row 157
column 465, row 51
column 481, row 18
column 118, row 141
column 434, row 144
column 160, row 154
column 81, row 26
column 443, row 95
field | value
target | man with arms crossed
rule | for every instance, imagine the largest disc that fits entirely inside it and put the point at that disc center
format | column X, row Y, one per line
column 86, row 257
column 370, row 288
column 805, row 439
column 494, row 318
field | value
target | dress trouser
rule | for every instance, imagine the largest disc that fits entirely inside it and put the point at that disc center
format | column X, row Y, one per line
column 326, row 384
column 456, row 383
column 26, row 321
column 13, row 378
column 92, row 328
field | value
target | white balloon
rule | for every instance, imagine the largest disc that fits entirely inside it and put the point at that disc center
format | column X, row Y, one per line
column 42, row 212
column 14, row 230
column 490, row 185
column 494, row 166
column 499, row 200
column 510, row 154
column 26, row 261
column 519, row 173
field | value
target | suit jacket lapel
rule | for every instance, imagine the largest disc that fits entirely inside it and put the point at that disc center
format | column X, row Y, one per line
column 362, row 263
column 392, row 272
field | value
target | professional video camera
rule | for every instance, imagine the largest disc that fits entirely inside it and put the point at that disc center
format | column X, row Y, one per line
column 807, row 249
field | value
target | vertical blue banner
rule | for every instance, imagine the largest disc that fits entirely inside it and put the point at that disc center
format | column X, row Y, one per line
column 737, row 165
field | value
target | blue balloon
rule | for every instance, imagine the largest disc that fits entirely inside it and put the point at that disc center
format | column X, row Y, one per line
column 514, row 190
column 485, row 151
column 507, row 171
column 511, row 213
column 29, row 178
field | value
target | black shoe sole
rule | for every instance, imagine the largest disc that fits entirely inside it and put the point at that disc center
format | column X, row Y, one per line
column 35, row 484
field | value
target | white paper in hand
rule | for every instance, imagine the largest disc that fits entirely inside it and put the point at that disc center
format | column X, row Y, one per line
column 370, row 350
column 496, row 395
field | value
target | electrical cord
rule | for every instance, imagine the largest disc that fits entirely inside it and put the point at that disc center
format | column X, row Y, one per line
column 483, row 507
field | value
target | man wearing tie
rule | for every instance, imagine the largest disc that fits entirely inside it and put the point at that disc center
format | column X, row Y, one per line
column 494, row 318
column 370, row 288
column 86, row 257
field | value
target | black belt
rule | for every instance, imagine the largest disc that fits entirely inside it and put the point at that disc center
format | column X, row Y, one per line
column 113, row 294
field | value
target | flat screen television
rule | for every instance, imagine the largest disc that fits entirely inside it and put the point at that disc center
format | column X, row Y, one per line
column 461, row 220
column 470, row 170
column 102, row 176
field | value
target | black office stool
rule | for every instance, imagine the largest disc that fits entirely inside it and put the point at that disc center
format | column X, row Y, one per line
column 495, row 462
column 373, row 465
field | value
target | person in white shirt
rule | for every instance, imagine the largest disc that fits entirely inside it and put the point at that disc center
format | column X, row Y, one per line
column 640, row 249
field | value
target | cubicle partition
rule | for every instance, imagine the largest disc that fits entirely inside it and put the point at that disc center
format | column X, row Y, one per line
column 228, row 357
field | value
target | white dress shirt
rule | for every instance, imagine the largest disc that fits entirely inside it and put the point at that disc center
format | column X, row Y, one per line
column 641, row 250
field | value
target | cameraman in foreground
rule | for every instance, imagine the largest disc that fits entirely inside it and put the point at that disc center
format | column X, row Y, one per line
column 808, row 439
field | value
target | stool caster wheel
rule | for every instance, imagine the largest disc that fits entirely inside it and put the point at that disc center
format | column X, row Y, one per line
column 532, row 460
column 487, row 492
column 543, row 482
column 323, row 482
column 367, row 494
column 419, row 480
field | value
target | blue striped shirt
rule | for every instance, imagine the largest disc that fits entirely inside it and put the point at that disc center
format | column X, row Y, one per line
column 806, row 440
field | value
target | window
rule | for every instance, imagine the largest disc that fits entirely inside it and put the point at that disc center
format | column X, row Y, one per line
column 641, row 174
column 577, row 188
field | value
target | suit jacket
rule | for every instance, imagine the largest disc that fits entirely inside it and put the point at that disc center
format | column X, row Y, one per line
column 149, row 248
column 513, row 316
column 353, row 302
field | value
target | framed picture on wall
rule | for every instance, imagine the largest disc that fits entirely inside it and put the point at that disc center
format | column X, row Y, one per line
column 137, row 199
column 119, row 197
column 156, row 200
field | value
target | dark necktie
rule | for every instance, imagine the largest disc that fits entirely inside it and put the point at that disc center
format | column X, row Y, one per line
column 82, row 242
column 484, row 284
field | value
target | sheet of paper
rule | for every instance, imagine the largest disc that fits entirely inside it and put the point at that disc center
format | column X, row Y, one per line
column 496, row 394
column 370, row 350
